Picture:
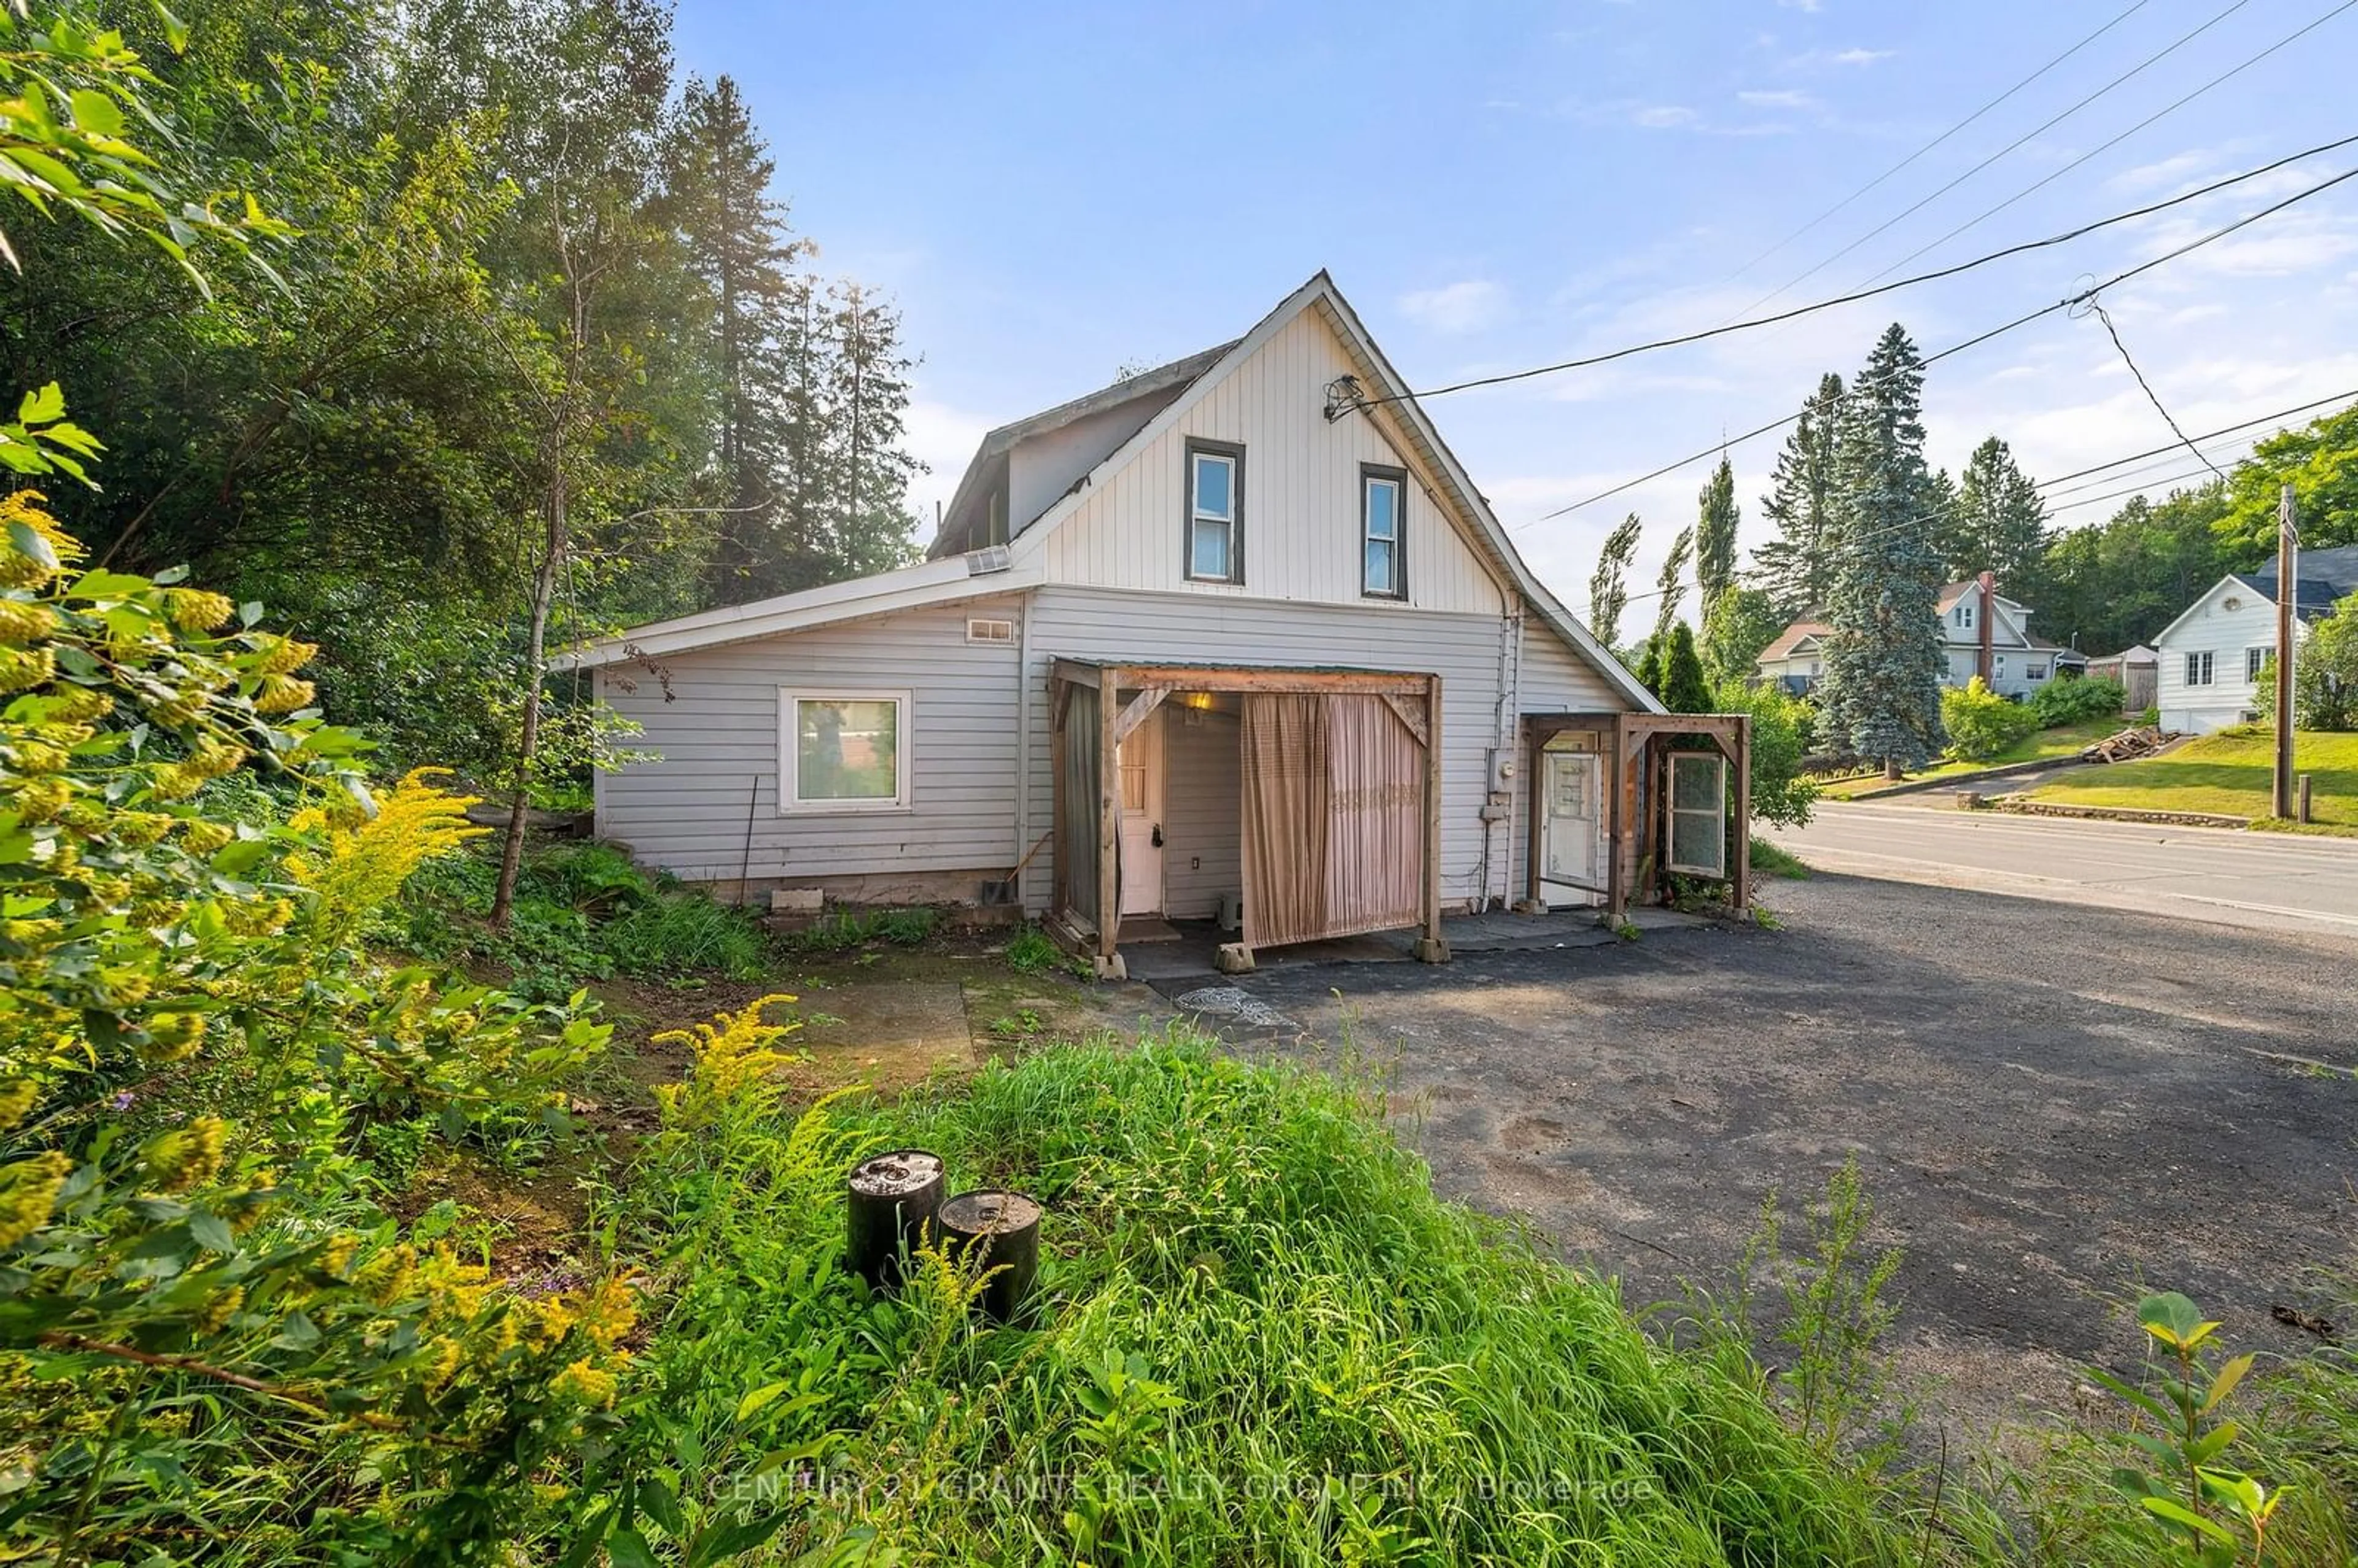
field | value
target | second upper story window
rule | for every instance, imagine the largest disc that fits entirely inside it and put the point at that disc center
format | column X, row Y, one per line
column 1216, row 482
column 1383, row 505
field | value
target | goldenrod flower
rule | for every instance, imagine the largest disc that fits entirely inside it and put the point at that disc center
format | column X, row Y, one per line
column 17, row 1096
column 187, row 1158
column 28, row 1191
column 591, row 1385
column 197, row 608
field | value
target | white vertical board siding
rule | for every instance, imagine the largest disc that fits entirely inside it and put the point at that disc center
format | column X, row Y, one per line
column 1554, row 679
column 1301, row 493
column 2223, row 633
column 1201, row 812
column 718, row 739
column 1095, row 623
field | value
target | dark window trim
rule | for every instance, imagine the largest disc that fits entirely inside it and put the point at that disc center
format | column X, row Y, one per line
column 1235, row 453
column 1399, row 477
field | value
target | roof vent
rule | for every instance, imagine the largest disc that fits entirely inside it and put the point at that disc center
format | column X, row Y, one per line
column 990, row 558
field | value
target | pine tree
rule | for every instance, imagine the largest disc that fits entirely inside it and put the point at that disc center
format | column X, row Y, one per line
column 1881, row 692
column 2000, row 523
column 1609, row 585
column 737, row 240
column 1672, row 583
column 1684, row 689
column 872, row 529
column 1715, row 550
column 1797, row 567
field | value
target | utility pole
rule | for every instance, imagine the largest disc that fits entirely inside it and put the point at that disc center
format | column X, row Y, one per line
column 2287, row 584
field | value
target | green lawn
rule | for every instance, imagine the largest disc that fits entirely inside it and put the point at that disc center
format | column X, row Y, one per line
column 2227, row 773
column 2063, row 741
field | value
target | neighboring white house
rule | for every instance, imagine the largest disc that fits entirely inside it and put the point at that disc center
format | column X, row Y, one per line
column 2211, row 654
column 2020, row 661
column 1247, row 579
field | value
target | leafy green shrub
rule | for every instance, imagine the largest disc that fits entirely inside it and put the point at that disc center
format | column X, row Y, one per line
column 1266, row 1341
column 2151, row 719
column 1782, row 791
column 207, row 1333
column 1981, row 723
column 2068, row 700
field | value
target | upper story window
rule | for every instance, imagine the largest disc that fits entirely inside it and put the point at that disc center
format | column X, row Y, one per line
column 1383, row 508
column 1965, row 616
column 1216, row 511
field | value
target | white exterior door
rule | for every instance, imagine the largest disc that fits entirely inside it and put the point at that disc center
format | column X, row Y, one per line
column 1141, row 766
column 1571, row 828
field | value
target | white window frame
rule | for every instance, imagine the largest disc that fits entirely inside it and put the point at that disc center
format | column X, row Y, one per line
column 1718, row 812
column 2255, row 659
column 1234, row 457
column 2206, row 664
column 789, row 751
column 1370, row 476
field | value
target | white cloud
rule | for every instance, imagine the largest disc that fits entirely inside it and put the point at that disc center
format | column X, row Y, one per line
column 1787, row 98
column 1810, row 6
column 1663, row 116
column 1464, row 307
column 1862, row 56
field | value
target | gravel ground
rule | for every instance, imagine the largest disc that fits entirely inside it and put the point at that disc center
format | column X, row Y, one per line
column 2054, row 1108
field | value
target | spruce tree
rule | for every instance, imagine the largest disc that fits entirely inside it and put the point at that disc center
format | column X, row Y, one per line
column 1649, row 665
column 1714, row 548
column 1609, row 585
column 1881, row 691
column 1797, row 567
column 2000, row 523
column 1684, row 689
column 872, row 529
column 736, row 238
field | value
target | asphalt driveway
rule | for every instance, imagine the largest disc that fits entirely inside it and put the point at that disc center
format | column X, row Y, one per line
column 2054, row 1107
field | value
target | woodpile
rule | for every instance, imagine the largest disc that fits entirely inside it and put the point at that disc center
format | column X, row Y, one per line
column 2140, row 741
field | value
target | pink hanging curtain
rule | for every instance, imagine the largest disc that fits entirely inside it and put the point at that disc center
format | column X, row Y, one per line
column 1375, row 834
column 1283, row 743
column 1333, row 817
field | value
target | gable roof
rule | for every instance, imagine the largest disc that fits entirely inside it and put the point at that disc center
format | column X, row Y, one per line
column 2325, row 578
column 1171, row 379
column 950, row 576
column 1788, row 642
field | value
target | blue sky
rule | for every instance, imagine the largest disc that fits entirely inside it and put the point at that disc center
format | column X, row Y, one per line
column 1050, row 191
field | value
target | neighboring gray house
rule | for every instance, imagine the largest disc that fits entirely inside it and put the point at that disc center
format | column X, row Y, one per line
column 1248, row 578
column 1982, row 633
column 2210, row 656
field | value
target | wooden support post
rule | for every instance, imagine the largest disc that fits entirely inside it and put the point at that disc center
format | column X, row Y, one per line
column 1109, row 962
column 2287, row 581
column 2305, row 815
column 1060, row 901
column 1744, row 814
column 1431, row 948
column 1617, row 884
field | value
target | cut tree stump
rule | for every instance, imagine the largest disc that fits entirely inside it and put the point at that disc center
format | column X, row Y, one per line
column 895, row 1200
column 997, row 1232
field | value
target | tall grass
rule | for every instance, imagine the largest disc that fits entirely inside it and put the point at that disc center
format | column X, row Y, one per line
column 1265, row 1341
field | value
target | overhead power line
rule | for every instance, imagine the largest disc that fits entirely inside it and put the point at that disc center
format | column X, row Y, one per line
column 2066, row 303
column 2150, row 62
column 1745, row 326
column 2150, row 395
column 2048, row 179
column 1936, row 141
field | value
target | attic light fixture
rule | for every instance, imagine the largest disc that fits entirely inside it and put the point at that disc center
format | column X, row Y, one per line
column 1343, row 395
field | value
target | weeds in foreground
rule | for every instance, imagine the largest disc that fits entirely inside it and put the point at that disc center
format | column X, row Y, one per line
column 1265, row 1339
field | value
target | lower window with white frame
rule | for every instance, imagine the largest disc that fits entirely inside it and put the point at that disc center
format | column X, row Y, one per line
column 2199, row 668
column 843, row 751
column 1698, row 814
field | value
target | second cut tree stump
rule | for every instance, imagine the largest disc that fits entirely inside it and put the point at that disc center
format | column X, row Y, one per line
column 997, row 1232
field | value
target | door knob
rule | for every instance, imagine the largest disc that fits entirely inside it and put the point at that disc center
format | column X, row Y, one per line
column 1157, row 839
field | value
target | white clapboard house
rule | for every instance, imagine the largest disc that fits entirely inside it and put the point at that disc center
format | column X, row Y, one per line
column 2211, row 658
column 1237, row 635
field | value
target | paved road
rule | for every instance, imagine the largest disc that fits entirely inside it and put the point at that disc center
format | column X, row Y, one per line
column 2262, row 881
column 2055, row 1108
